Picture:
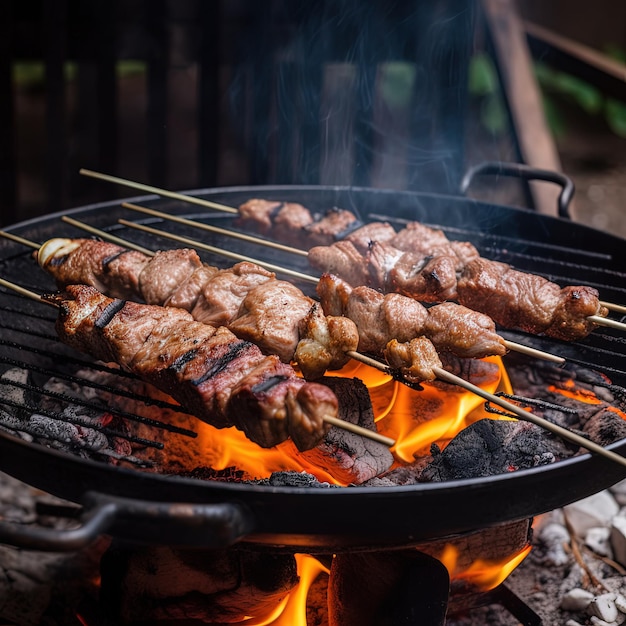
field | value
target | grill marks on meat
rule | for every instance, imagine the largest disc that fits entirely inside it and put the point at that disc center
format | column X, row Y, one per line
column 383, row 317
column 217, row 377
column 246, row 298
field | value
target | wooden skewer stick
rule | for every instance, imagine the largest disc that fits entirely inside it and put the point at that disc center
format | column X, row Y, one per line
column 220, row 207
column 618, row 308
column 334, row 421
column 510, row 345
column 214, row 229
column 439, row 372
column 605, row 321
column 158, row 191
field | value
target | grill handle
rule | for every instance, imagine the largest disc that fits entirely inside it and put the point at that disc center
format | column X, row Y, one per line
column 519, row 170
column 203, row 525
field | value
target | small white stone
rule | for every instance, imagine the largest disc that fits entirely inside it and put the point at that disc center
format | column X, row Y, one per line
column 620, row 603
column 596, row 510
column 598, row 540
column 603, row 606
column 617, row 539
column 555, row 537
column 572, row 622
column 596, row 621
column 576, row 600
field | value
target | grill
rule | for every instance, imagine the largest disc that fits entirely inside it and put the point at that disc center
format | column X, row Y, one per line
column 132, row 502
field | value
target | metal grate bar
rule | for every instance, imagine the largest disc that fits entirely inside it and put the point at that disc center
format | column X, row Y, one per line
column 63, row 397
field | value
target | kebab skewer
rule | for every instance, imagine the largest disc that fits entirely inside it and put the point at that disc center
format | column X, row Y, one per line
column 569, row 313
column 216, row 376
column 257, row 315
column 177, row 354
column 173, row 278
column 516, row 299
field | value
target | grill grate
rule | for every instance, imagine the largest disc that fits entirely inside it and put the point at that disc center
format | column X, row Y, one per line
column 31, row 356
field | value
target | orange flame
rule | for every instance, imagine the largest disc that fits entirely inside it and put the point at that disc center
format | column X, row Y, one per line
column 482, row 575
column 415, row 419
column 292, row 610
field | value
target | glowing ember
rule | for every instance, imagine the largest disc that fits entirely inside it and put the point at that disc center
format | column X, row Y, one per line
column 569, row 390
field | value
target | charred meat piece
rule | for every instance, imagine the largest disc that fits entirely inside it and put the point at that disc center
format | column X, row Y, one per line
column 106, row 266
column 223, row 293
column 272, row 311
column 425, row 241
column 167, row 270
column 529, row 302
column 219, row 378
column 329, row 227
column 361, row 238
column 342, row 259
column 462, row 331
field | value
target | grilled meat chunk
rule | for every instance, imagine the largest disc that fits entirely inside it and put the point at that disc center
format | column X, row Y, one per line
column 224, row 292
column 521, row 300
column 272, row 310
column 327, row 228
column 361, row 238
column 219, row 378
column 326, row 340
column 462, row 331
column 424, row 241
column 342, row 259
column 106, row 266
column 414, row 359
column 166, row 271
column 247, row 298
column 283, row 220
column 381, row 318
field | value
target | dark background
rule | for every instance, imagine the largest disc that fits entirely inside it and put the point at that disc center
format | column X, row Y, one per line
column 190, row 93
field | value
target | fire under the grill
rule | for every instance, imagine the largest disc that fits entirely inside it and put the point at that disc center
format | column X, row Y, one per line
column 52, row 397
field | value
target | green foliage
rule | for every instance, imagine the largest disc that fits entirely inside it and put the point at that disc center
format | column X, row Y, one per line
column 557, row 87
column 483, row 84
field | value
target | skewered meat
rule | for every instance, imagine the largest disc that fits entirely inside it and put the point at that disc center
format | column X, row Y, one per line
column 415, row 359
column 511, row 298
column 434, row 269
column 219, row 378
column 327, row 340
column 527, row 301
column 381, row 318
column 292, row 222
column 246, row 298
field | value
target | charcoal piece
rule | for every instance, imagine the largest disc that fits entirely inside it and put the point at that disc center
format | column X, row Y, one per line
column 490, row 447
column 351, row 458
column 291, row 479
column 605, row 427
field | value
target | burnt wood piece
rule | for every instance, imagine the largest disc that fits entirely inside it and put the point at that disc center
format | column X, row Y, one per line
column 164, row 584
column 348, row 457
column 387, row 589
